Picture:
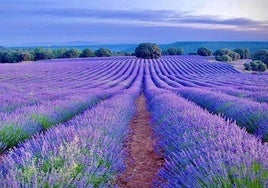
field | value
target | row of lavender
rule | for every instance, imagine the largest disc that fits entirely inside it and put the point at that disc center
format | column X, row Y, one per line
column 85, row 151
column 26, row 120
column 252, row 116
column 201, row 149
column 47, row 81
column 249, row 114
column 188, row 72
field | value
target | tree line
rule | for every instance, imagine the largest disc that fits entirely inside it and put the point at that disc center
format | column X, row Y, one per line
column 259, row 58
column 144, row 50
column 18, row 55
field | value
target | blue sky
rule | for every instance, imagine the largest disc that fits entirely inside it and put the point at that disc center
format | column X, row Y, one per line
column 132, row 21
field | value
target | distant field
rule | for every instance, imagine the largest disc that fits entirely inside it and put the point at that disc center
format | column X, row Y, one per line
column 69, row 120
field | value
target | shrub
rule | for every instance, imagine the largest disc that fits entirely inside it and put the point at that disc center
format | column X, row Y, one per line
column 225, row 58
column 243, row 52
column 218, row 58
column 122, row 53
column 87, row 53
column 223, row 51
column 9, row 57
column 173, row 51
column 256, row 65
column 103, row 52
column 247, row 66
column 204, row 51
column 72, row 53
column 148, row 51
column 41, row 53
column 235, row 56
column 60, row 53
column 262, row 67
column 261, row 55
column 221, row 55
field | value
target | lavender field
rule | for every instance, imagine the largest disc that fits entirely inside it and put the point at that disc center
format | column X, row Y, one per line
column 63, row 123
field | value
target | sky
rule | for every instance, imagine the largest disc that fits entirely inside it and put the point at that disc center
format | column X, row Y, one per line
column 26, row 22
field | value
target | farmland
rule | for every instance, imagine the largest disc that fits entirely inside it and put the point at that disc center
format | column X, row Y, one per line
column 64, row 123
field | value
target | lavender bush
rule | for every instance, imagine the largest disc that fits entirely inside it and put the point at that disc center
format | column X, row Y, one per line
column 84, row 152
column 204, row 150
column 251, row 115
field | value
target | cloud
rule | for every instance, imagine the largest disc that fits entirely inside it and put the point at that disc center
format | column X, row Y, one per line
column 152, row 17
column 134, row 17
column 122, row 26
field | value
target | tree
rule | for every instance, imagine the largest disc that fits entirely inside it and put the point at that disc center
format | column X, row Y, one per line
column 148, row 51
column 41, row 53
column 221, row 55
column 256, row 65
column 72, row 53
column 173, row 51
column 204, row 51
column 235, row 56
column 87, row 53
column 222, row 51
column 225, row 58
column 261, row 55
column 7, row 57
column 243, row 52
column 23, row 56
column 60, row 53
column 103, row 52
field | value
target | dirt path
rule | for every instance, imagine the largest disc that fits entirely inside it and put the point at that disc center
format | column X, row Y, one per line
column 142, row 163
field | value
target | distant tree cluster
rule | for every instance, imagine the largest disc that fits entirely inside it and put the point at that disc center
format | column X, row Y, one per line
column 225, row 54
column 261, row 55
column 173, row 51
column 260, row 61
column 148, row 51
column 203, row 51
column 243, row 52
column 19, row 55
column 256, row 65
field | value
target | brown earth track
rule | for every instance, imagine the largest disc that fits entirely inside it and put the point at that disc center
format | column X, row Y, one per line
column 142, row 162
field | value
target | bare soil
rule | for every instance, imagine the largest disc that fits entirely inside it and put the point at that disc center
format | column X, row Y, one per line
column 239, row 65
column 142, row 162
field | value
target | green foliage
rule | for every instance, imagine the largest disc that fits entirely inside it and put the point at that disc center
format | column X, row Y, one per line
column 225, row 54
column 237, row 177
column 97, row 181
column 14, row 56
column 122, row 53
column 103, row 52
column 173, row 51
column 256, row 65
column 223, row 51
column 261, row 55
column 53, row 163
column 87, row 53
column 148, row 51
column 72, row 53
column 243, row 52
column 235, row 56
column 11, row 135
column 204, row 51
column 59, row 53
column 247, row 66
column 225, row 58
column 43, row 120
column 42, row 53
